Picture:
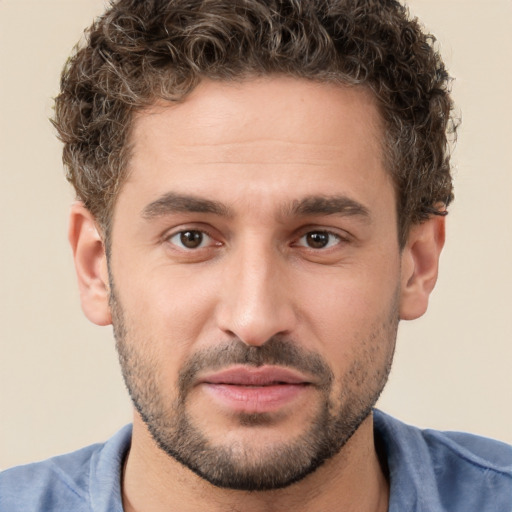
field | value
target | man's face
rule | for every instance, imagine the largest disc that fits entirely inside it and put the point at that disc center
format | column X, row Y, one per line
column 255, row 275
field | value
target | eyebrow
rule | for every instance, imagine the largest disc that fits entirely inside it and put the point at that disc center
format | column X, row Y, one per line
column 314, row 205
column 327, row 205
column 178, row 203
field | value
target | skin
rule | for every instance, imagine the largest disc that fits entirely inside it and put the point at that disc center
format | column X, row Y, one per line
column 256, row 148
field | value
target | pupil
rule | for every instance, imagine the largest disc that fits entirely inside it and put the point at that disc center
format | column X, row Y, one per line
column 191, row 239
column 317, row 240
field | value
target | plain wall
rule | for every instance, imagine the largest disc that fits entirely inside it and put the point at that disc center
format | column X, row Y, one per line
column 60, row 386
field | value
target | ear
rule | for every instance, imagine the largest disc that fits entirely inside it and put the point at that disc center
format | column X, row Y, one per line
column 420, row 263
column 90, row 264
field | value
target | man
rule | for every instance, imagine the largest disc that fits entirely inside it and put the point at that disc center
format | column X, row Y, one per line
column 261, row 197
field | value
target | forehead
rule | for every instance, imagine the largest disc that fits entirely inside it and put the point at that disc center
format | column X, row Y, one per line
column 281, row 109
column 270, row 141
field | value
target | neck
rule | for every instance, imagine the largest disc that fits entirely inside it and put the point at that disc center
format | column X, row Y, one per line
column 351, row 480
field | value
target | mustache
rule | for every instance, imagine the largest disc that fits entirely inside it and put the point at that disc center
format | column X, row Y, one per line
column 276, row 351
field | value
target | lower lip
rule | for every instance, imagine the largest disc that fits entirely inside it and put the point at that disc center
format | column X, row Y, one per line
column 255, row 399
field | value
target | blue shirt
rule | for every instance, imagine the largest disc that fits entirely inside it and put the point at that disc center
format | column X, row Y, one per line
column 428, row 471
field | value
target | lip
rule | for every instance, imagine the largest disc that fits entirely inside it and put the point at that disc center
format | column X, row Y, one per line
column 255, row 376
column 255, row 390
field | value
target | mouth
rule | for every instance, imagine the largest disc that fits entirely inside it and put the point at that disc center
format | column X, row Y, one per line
column 255, row 390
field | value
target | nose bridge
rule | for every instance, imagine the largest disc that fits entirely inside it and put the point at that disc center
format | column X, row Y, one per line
column 256, row 304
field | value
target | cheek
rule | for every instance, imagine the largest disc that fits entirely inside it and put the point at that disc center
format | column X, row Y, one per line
column 348, row 308
column 170, row 308
column 358, row 334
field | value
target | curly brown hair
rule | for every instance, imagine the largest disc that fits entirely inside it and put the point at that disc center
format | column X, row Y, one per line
column 138, row 52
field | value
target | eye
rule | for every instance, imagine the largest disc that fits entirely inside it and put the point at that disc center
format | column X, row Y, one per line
column 191, row 239
column 319, row 240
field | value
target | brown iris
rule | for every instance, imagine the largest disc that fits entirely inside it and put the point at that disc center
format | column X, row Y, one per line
column 191, row 239
column 317, row 239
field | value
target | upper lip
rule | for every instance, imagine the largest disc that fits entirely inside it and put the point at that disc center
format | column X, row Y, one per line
column 255, row 376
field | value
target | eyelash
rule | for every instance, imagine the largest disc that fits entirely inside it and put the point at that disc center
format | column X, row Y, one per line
column 204, row 234
column 183, row 232
column 322, row 232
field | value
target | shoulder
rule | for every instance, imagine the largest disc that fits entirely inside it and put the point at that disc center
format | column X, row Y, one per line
column 472, row 467
column 53, row 484
column 66, row 482
column 452, row 471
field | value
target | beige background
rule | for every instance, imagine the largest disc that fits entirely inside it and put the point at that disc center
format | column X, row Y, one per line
column 59, row 382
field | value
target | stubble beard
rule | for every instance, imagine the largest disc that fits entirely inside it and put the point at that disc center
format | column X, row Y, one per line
column 238, row 466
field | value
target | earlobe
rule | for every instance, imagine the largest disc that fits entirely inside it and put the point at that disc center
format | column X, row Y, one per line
column 420, row 263
column 90, row 264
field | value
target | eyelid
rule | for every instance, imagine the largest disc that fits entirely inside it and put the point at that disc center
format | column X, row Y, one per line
column 341, row 235
column 178, row 243
column 169, row 234
column 330, row 244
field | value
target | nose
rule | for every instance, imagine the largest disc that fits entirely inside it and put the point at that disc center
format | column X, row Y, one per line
column 256, row 297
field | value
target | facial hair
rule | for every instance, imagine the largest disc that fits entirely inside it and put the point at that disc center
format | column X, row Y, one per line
column 340, row 408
